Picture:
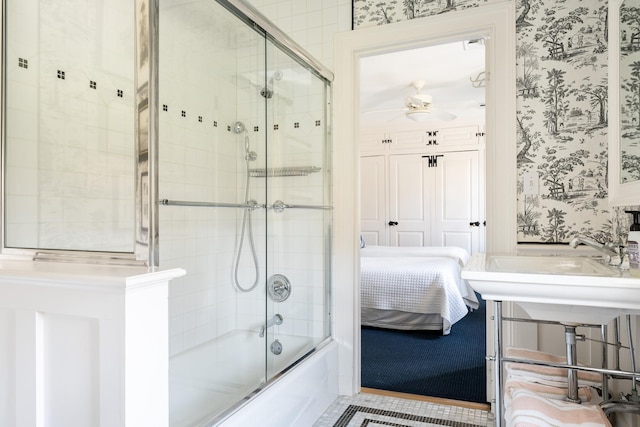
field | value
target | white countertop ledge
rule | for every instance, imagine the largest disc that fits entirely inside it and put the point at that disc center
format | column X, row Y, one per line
column 94, row 277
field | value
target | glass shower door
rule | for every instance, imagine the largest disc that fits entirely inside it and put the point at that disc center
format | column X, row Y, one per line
column 297, row 195
column 244, row 189
column 212, row 214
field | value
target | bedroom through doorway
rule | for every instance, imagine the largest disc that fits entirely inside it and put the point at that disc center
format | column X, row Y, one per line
column 422, row 196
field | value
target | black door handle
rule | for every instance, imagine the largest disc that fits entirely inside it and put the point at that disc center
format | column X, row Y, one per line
column 393, row 223
column 475, row 224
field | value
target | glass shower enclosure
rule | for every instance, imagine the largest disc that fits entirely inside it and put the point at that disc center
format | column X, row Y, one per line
column 244, row 194
column 210, row 128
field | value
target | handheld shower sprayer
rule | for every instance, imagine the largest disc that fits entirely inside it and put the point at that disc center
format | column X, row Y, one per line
column 239, row 128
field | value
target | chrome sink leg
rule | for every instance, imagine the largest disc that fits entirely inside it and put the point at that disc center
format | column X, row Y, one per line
column 572, row 359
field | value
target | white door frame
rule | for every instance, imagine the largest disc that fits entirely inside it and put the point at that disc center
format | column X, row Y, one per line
column 494, row 22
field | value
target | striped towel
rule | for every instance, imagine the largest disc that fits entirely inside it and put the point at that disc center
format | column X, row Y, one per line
column 546, row 375
column 586, row 394
column 529, row 409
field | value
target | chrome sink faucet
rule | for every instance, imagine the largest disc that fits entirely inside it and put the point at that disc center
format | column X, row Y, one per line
column 614, row 253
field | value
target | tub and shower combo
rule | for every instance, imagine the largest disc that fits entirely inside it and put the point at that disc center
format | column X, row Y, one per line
column 246, row 191
column 223, row 124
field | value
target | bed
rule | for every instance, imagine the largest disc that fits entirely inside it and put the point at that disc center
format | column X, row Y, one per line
column 414, row 287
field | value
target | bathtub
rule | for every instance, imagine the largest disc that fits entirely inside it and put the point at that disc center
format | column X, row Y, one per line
column 206, row 384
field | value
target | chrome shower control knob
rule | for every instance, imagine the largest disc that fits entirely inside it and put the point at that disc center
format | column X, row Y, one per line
column 278, row 288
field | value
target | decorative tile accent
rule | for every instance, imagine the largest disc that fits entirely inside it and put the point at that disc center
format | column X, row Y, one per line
column 61, row 74
column 120, row 93
column 375, row 410
column 92, row 84
column 353, row 410
column 23, row 63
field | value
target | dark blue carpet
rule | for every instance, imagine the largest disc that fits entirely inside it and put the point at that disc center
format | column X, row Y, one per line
column 428, row 363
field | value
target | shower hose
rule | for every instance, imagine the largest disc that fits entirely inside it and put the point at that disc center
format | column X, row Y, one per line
column 246, row 229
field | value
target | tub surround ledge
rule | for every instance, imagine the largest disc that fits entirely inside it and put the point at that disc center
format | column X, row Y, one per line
column 83, row 344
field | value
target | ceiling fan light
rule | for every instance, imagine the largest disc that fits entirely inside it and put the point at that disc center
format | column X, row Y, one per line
column 418, row 116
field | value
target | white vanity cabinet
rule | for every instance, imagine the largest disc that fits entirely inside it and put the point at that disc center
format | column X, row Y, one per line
column 83, row 345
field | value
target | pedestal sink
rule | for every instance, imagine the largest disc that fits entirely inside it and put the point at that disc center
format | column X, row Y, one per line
column 559, row 288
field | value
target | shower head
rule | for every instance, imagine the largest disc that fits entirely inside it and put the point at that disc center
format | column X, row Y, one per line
column 239, row 127
column 267, row 91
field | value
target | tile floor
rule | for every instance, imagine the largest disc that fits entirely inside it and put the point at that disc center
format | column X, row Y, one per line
column 370, row 410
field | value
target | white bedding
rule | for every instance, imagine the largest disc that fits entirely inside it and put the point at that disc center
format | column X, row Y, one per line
column 425, row 281
column 459, row 254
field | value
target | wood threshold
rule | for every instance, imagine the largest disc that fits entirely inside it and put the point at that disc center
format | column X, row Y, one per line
column 438, row 400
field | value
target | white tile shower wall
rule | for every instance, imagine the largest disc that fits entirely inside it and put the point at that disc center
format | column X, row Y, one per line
column 298, row 246
column 197, row 163
column 70, row 157
column 296, row 239
column 311, row 23
column 223, row 81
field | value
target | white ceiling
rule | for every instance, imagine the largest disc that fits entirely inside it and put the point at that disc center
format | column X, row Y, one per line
column 447, row 69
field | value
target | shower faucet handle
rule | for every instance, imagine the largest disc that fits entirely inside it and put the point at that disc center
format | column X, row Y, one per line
column 278, row 287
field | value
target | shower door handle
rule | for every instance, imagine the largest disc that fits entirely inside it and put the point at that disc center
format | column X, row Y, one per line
column 279, row 206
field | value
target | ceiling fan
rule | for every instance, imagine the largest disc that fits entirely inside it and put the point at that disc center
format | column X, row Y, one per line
column 419, row 106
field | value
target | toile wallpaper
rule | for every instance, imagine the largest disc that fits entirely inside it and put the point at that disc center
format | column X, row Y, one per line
column 561, row 66
column 630, row 91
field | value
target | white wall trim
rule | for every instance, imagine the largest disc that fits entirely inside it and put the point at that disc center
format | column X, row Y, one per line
column 496, row 23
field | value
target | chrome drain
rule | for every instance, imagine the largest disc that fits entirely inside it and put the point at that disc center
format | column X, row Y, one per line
column 276, row 347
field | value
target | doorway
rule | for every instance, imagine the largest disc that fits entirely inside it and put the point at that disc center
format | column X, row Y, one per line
column 422, row 124
column 495, row 23
column 421, row 139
